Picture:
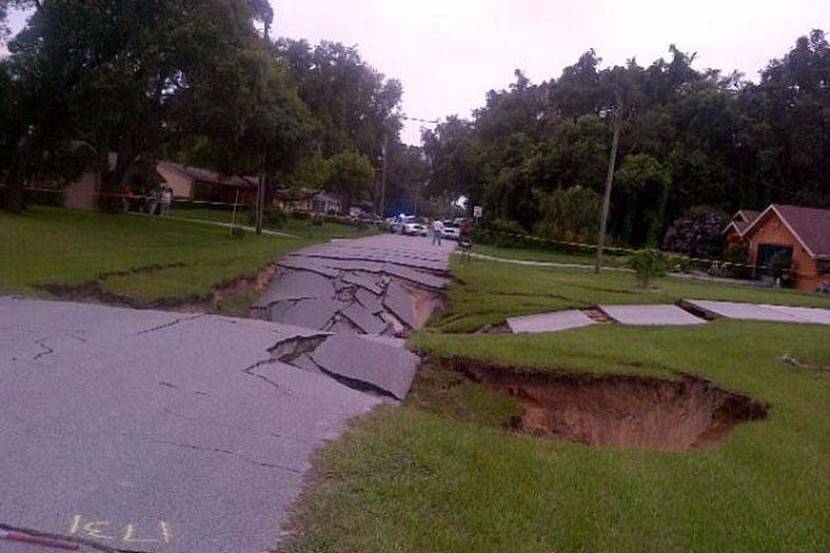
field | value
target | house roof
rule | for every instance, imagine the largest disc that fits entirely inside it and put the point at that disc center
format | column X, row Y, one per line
column 810, row 226
column 205, row 175
column 741, row 221
column 294, row 194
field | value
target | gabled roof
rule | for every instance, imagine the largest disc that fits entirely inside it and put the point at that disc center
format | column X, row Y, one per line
column 810, row 226
column 205, row 175
column 741, row 221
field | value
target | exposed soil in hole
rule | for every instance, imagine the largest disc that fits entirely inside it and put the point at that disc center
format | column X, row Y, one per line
column 622, row 411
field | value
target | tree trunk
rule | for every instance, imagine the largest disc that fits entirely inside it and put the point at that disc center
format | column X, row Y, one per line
column 12, row 196
column 109, row 199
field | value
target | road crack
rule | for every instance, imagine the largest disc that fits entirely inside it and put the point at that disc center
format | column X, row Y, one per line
column 238, row 455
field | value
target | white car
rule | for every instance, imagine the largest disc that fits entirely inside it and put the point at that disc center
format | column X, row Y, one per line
column 414, row 229
column 451, row 231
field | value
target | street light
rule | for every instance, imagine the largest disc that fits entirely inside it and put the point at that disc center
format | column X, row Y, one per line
column 609, row 181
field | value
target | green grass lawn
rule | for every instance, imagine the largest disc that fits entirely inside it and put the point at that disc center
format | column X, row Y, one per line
column 175, row 260
column 546, row 256
column 442, row 474
column 487, row 292
column 445, row 473
column 301, row 228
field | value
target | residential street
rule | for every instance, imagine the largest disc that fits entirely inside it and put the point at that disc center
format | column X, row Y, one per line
column 153, row 431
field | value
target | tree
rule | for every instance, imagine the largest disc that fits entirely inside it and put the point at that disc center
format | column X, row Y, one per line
column 570, row 215
column 646, row 184
column 127, row 76
column 351, row 175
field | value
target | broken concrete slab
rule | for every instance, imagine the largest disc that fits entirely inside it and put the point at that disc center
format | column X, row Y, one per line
column 365, row 319
column 401, row 303
column 742, row 311
column 650, row 315
column 549, row 322
column 372, row 302
column 366, row 281
column 296, row 285
column 390, row 341
column 205, row 441
column 315, row 313
column 368, row 364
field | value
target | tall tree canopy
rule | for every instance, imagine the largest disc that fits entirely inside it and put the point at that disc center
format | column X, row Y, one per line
column 690, row 137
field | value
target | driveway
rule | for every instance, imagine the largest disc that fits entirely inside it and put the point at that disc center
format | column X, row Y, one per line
column 164, row 432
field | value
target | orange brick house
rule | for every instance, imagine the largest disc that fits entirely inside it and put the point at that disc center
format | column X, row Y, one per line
column 734, row 231
column 800, row 233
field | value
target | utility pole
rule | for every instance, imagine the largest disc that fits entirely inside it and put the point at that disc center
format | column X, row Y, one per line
column 609, row 181
column 385, row 151
column 260, row 196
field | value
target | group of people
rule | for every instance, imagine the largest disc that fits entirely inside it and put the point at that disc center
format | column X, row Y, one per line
column 157, row 200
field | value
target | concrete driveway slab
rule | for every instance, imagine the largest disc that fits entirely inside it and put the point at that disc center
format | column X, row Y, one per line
column 743, row 311
column 549, row 322
column 649, row 315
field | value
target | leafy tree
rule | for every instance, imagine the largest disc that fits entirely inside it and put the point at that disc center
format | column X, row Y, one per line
column 646, row 184
column 351, row 175
column 570, row 215
column 126, row 76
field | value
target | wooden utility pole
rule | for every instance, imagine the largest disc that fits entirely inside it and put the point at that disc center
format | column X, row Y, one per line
column 383, row 174
column 609, row 182
column 260, row 196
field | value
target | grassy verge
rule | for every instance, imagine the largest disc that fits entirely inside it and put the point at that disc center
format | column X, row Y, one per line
column 143, row 260
column 489, row 292
column 441, row 474
column 297, row 227
column 545, row 256
column 444, row 472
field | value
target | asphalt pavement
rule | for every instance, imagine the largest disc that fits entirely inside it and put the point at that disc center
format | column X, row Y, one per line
column 150, row 431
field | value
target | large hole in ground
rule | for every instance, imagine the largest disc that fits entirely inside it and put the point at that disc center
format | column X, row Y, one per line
column 621, row 411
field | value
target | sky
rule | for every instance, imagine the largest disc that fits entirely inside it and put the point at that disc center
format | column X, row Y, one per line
column 449, row 53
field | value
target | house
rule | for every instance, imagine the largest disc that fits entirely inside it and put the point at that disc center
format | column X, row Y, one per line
column 734, row 231
column 208, row 186
column 326, row 203
column 801, row 234
column 294, row 199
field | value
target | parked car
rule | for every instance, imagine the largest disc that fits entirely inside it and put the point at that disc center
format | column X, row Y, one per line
column 452, row 231
column 398, row 223
column 415, row 229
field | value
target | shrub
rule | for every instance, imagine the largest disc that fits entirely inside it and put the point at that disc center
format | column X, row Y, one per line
column 500, row 232
column 699, row 234
column 271, row 218
column 300, row 215
column 648, row 264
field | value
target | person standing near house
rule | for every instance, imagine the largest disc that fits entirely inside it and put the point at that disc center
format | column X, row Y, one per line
column 437, row 232
column 126, row 196
column 153, row 199
column 166, row 200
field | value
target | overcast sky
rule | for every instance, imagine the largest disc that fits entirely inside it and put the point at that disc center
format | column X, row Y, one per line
column 449, row 53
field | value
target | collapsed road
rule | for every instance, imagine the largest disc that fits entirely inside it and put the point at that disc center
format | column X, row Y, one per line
column 149, row 431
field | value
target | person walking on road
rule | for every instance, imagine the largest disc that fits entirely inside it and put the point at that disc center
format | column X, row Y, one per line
column 437, row 232
column 166, row 200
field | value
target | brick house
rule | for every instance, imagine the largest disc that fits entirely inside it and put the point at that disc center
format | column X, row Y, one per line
column 209, row 186
column 800, row 233
column 734, row 231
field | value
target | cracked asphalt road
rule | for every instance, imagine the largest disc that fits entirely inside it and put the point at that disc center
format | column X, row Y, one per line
column 148, row 431
column 152, row 431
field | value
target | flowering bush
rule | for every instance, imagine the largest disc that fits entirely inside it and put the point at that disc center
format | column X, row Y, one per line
column 699, row 234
